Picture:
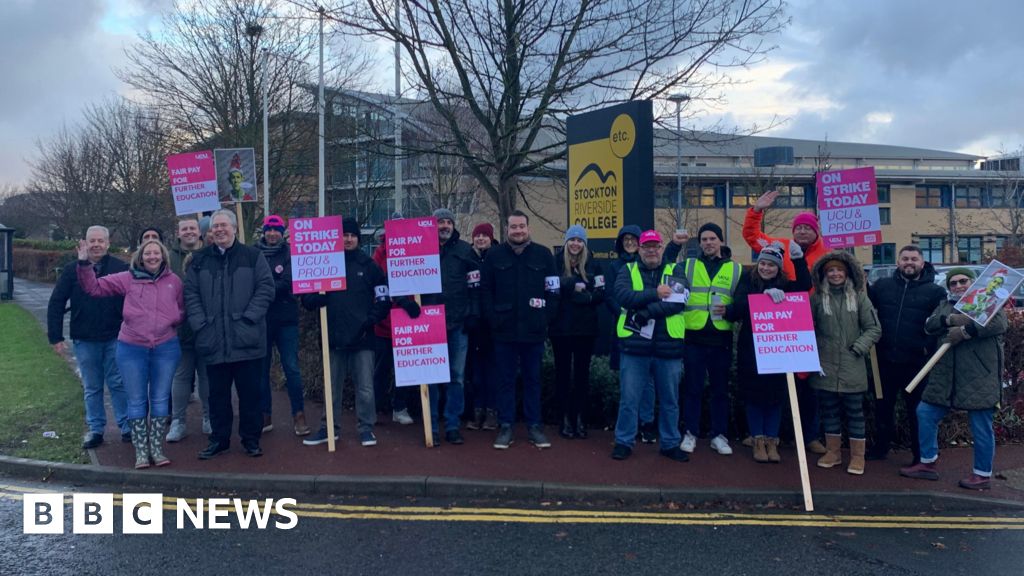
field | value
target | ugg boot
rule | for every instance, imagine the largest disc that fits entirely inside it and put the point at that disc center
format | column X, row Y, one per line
column 140, row 440
column 772, row 446
column 857, row 448
column 760, row 451
column 158, row 427
column 833, row 451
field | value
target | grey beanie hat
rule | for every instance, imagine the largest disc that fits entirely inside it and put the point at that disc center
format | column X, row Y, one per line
column 772, row 253
column 444, row 214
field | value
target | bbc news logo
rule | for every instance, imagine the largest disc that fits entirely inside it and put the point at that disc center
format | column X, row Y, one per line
column 144, row 513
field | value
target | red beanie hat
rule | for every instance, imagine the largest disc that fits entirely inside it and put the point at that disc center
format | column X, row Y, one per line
column 486, row 229
column 807, row 219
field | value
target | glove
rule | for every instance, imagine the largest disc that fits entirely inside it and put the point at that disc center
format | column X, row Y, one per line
column 958, row 320
column 410, row 306
column 776, row 295
column 956, row 335
column 795, row 250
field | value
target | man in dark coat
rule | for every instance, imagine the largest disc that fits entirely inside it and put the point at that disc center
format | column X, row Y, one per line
column 228, row 288
column 903, row 301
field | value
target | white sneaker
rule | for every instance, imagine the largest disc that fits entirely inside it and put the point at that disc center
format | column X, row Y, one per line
column 177, row 431
column 689, row 443
column 207, row 429
column 721, row 445
column 402, row 417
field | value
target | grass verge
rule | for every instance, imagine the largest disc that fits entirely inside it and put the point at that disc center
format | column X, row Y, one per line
column 40, row 393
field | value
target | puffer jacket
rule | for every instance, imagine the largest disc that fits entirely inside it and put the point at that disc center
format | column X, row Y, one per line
column 844, row 336
column 577, row 311
column 969, row 376
column 613, row 268
column 153, row 307
column 903, row 306
column 226, row 299
column 661, row 345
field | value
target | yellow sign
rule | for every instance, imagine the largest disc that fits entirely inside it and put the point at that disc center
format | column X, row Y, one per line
column 595, row 180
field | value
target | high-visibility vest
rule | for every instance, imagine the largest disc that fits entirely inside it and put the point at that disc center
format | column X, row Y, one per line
column 675, row 324
column 703, row 288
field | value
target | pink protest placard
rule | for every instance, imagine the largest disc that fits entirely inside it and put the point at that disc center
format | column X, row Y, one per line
column 318, row 254
column 848, row 208
column 414, row 256
column 193, row 182
column 784, row 334
column 420, row 346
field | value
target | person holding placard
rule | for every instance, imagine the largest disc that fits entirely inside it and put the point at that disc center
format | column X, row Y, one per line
column 966, row 378
column 460, row 283
column 385, row 392
column 481, row 348
column 519, row 293
column 351, row 316
column 763, row 394
column 147, row 345
column 650, row 329
column 846, row 327
column 574, row 331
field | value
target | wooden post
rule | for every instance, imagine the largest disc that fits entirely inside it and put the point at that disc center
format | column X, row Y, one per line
column 801, row 450
column 328, row 384
column 241, row 222
column 928, row 367
column 875, row 374
column 428, row 426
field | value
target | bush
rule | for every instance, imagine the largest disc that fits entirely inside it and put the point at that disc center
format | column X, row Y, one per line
column 39, row 265
column 49, row 245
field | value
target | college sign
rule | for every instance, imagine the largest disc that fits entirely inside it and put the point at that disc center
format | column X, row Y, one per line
column 611, row 171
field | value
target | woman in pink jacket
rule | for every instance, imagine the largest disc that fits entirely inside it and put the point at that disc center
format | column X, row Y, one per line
column 147, row 345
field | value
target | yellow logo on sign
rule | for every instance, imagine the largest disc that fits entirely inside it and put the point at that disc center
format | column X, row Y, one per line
column 623, row 135
column 595, row 188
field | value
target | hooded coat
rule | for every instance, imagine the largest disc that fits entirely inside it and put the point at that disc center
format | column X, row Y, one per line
column 846, row 327
column 616, row 266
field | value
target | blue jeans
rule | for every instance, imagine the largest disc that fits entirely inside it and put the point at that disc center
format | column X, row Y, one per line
column 514, row 357
column 287, row 340
column 928, row 418
column 634, row 373
column 715, row 362
column 647, row 396
column 148, row 373
column 764, row 419
column 455, row 399
column 357, row 365
column 97, row 363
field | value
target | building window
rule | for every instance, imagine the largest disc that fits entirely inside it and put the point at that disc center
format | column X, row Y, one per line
column 932, row 249
column 883, row 254
column 885, row 216
column 932, row 196
column 703, row 197
column 969, row 196
column 790, row 197
column 968, row 249
column 744, row 196
column 884, row 194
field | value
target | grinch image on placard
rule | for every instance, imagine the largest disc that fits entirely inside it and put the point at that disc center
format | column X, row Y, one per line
column 236, row 174
column 989, row 292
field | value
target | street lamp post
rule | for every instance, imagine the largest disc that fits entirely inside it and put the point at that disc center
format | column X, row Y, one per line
column 679, row 99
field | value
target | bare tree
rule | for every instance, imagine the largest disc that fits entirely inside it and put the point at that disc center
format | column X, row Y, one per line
column 500, row 74
column 1008, row 196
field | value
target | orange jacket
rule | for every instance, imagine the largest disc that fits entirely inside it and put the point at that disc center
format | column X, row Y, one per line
column 752, row 234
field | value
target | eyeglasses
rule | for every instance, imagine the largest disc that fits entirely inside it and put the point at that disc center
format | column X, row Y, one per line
column 963, row 282
column 650, row 248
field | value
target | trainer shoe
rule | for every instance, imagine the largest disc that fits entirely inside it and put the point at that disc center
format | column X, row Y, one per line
column 689, row 443
column 177, row 431
column 268, row 424
column 920, row 471
column 535, row 434
column 504, row 439
column 402, row 417
column 675, row 453
column 367, row 439
column 621, row 452
column 207, row 428
column 721, row 445
column 491, row 420
column 91, row 440
column 648, row 433
column 319, row 438
column 976, row 482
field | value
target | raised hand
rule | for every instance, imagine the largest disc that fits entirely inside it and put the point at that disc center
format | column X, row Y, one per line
column 765, row 200
column 83, row 250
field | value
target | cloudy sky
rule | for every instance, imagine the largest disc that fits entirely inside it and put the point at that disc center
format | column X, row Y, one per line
column 936, row 74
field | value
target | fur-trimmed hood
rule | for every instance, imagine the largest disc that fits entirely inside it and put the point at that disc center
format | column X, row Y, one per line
column 854, row 270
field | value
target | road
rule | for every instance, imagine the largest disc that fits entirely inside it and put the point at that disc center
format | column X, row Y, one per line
column 363, row 536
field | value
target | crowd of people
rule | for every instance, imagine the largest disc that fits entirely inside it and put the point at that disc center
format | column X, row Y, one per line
column 200, row 314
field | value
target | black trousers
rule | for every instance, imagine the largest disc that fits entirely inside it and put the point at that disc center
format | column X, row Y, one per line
column 895, row 377
column 572, row 372
column 246, row 377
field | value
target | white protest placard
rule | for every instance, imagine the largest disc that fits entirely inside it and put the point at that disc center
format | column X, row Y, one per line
column 848, row 208
column 989, row 293
column 193, row 182
column 420, row 347
column 784, row 334
column 317, row 254
column 414, row 256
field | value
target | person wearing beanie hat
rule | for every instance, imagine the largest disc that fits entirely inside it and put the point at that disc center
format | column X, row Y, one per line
column 763, row 395
column 904, row 301
column 460, row 283
column 805, row 227
column 204, row 230
column 481, row 349
column 483, row 239
column 713, row 278
column 963, row 379
column 274, row 222
column 352, row 314
column 151, row 233
column 574, row 331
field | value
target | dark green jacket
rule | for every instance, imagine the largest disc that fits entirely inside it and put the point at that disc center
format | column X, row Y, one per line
column 969, row 375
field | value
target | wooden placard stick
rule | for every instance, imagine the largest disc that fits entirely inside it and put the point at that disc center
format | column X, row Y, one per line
column 428, row 426
column 801, row 450
column 875, row 374
column 241, row 222
column 928, row 367
column 328, row 384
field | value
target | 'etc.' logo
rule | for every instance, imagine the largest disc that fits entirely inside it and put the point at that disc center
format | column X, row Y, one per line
column 144, row 513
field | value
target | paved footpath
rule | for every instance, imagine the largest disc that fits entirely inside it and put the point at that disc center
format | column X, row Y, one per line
column 571, row 469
